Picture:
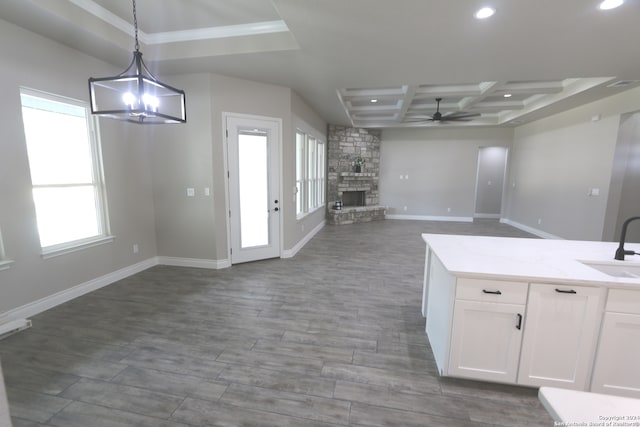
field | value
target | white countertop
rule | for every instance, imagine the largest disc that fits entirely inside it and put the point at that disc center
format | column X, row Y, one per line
column 570, row 407
column 531, row 259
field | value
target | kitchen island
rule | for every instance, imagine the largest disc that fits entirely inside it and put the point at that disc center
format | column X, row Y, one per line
column 534, row 312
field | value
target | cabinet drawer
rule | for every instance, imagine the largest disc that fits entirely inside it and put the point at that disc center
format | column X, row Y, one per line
column 492, row 291
column 624, row 301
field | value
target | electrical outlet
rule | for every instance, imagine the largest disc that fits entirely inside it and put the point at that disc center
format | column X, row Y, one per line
column 405, row 208
column 448, row 209
column 539, row 221
column 135, row 248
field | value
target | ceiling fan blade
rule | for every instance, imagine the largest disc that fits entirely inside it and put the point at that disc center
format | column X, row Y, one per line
column 460, row 115
column 456, row 119
column 414, row 119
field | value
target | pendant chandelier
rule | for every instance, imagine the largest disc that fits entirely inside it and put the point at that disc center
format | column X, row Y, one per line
column 135, row 95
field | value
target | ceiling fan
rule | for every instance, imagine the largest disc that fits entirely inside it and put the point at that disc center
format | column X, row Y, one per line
column 458, row 116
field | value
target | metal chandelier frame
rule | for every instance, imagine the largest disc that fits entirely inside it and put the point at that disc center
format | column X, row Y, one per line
column 136, row 95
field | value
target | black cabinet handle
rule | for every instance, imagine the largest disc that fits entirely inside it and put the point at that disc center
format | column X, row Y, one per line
column 276, row 209
column 567, row 291
column 492, row 292
column 519, row 325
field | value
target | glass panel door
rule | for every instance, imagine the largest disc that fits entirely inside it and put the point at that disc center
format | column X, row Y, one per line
column 254, row 189
column 253, row 147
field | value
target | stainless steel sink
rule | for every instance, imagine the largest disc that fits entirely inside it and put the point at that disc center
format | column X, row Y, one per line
column 618, row 269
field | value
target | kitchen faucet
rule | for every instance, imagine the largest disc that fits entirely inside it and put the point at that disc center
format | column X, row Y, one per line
column 620, row 252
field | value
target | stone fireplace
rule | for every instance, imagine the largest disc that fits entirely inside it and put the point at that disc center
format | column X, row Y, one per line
column 358, row 191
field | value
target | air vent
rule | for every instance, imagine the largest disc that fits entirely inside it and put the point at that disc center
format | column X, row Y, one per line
column 622, row 83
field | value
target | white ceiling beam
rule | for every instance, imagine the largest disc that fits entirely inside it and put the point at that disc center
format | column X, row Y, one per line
column 407, row 100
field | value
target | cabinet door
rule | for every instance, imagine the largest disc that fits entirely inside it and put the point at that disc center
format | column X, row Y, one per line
column 559, row 341
column 485, row 341
column 616, row 368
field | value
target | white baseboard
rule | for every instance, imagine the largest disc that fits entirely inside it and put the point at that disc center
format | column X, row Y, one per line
column 531, row 230
column 486, row 216
column 14, row 326
column 290, row 253
column 214, row 264
column 43, row 304
column 431, row 218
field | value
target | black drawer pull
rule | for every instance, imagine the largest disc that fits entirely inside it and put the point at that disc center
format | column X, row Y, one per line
column 568, row 291
column 519, row 325
column 492, row 292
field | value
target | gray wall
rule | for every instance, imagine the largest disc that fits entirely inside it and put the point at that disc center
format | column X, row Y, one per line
column 182, row 157
column 32, row 61
column 554, row 162
column 193, row 156
column 441, row 165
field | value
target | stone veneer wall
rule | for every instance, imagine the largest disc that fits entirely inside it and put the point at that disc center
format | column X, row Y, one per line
column 345, row 144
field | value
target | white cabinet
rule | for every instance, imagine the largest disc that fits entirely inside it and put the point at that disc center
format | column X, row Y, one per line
column 561, row 330
column 487, row 330
column 616, row 368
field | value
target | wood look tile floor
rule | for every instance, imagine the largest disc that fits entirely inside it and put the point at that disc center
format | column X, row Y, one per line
column 331, row 337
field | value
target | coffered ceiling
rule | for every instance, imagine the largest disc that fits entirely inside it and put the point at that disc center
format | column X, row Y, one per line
column 371, row 63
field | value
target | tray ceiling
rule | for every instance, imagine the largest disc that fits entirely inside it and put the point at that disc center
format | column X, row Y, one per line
column 339, row 56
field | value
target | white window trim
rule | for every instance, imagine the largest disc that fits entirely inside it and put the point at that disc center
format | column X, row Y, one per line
column 5, row 264
column 75, row 246
column 98, row 171
column 308, row 132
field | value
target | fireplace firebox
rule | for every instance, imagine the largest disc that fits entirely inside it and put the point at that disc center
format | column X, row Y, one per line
column 353, row 198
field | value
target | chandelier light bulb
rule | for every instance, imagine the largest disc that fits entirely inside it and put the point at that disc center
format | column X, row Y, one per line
column 129, row 99
column 150, row 102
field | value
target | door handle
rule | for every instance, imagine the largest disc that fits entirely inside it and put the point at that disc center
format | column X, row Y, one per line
column 519, row 325
column 563, row 291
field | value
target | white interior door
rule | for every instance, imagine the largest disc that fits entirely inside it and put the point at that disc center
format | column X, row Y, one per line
column 254, row 187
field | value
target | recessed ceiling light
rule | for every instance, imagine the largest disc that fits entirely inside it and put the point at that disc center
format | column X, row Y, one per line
column 373, row 101
column 485, row 13
column 610, row 4
column 507, row 95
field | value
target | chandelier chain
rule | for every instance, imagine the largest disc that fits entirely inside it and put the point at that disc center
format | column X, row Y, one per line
column 135, row 25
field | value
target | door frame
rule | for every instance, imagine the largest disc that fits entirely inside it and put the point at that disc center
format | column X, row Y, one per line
column 225, row 152
column 504, row 182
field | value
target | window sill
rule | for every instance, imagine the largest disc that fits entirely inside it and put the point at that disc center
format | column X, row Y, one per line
column 306, row 214
column 5, row 264
column 84, row 244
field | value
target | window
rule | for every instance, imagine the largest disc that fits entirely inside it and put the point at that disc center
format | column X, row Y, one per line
column 310, row 173
column 66, row 172
column 4, row 262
